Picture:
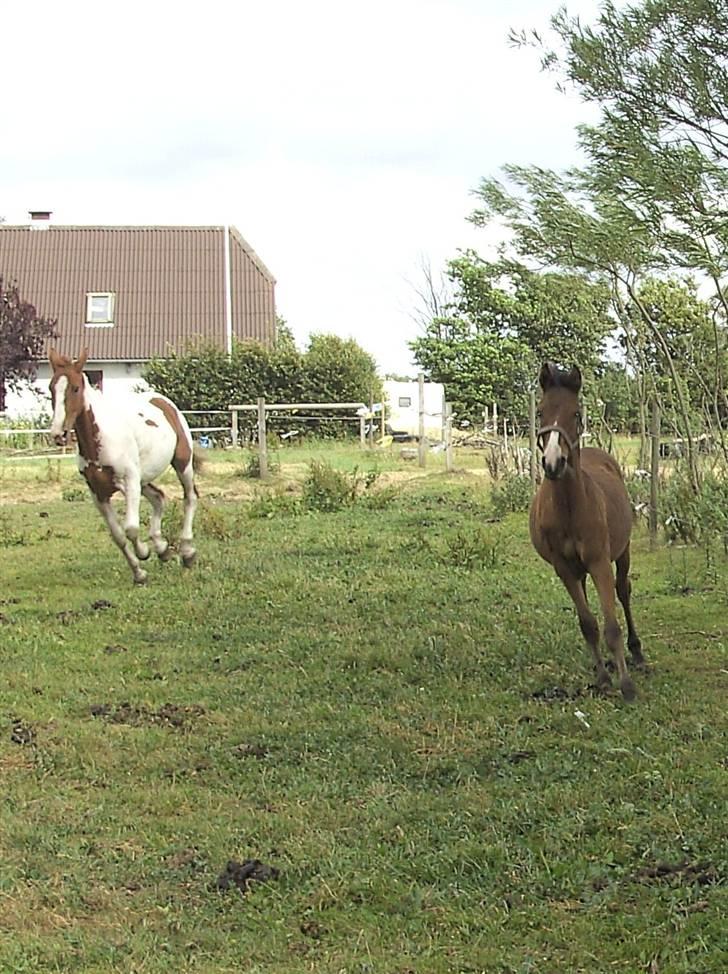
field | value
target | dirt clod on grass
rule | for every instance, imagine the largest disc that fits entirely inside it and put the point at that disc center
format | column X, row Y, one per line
column 102, row 604
column 168, row 715
column 240, row 874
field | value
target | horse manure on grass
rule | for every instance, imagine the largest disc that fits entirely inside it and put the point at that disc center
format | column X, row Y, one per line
column 241, row 874
column 22, row 733
column 168, row 715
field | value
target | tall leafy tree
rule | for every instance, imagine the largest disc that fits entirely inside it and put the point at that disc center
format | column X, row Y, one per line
column 23, row 333
column 505, row 318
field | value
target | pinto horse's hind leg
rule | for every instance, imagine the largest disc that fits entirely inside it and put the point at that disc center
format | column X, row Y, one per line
column 624, row 592
column 576, row 588
column 160, row 544
column 187, row 550
column 120, row 538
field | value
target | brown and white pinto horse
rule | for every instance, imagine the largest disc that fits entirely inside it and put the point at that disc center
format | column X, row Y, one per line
column 581, row 521
column 124, row 446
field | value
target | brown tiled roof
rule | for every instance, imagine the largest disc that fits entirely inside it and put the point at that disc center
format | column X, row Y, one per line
column 169, row 286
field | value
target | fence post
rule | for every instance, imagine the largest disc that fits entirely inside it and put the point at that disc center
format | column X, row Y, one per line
column 262, row 440
column 495, row 420
column 370, row 435
column 234, row 434
column 447, row 411
column 362, row 430
column 421, row 444
column 532, row 435
column 654, row 470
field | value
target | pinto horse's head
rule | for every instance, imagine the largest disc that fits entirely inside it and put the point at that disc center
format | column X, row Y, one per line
column 67, row 393
column 559, row 418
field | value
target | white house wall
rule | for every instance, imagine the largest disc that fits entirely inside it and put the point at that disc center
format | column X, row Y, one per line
column 34, row 399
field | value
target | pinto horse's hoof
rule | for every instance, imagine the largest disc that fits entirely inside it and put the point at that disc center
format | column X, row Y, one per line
column 188, row 560
column 140, row 577
column 167, row 554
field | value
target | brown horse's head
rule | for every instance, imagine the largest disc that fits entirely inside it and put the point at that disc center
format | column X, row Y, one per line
column 67, row 393
column 559, row 418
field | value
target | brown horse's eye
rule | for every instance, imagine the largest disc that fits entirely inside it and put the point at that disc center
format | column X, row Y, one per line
column 75, row 388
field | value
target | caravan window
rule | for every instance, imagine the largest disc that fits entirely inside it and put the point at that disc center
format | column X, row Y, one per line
column 405, row 402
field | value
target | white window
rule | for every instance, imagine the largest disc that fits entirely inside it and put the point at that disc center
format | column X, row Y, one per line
column 405, row 402
column 100, row 308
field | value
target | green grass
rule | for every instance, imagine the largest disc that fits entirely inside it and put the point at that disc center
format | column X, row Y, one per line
column 382, row 704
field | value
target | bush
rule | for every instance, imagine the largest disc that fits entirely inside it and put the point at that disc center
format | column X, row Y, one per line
column 326, row 489
column 694, row 518
column 510, row 495
column 268, row 505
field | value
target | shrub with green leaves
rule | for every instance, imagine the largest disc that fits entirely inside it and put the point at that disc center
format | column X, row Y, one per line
column 327, row 489
column 511, row 494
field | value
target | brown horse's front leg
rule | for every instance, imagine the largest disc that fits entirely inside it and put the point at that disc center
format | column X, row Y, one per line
column 603, row 578
column 587, row 621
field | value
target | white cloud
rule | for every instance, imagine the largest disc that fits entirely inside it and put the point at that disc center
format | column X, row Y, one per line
column 342, row 140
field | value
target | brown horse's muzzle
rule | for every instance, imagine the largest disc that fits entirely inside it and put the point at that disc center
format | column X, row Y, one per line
column 61, row 439
column 554, row 472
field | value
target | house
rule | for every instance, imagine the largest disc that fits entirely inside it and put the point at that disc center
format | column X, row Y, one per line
column 131, row 293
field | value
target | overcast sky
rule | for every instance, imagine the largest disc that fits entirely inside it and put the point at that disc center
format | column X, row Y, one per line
column 343, row 140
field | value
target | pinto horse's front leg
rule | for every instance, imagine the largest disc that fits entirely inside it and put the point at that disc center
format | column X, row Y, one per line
column 133, row 495
column 109, row 515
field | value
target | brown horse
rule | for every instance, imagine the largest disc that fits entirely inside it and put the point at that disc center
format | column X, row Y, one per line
column 581, row 520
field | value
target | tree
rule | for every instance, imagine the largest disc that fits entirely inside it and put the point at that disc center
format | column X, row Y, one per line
column 338, row 370
column 505, row 319
column 23, row 333
column 658, row 70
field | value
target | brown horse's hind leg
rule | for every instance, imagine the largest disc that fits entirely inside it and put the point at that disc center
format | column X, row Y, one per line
column 624, row 591
column 604, row 582
column 587, row 622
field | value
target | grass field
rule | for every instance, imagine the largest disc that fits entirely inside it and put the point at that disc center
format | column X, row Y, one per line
column 389, row 705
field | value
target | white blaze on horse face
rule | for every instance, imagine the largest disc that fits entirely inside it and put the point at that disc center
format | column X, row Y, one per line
column 59, row 407
column 552, row 451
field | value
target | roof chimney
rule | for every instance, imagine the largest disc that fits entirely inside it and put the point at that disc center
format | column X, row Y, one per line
column 39, row 219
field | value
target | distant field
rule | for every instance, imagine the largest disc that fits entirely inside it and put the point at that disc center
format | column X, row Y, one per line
column 390, row 705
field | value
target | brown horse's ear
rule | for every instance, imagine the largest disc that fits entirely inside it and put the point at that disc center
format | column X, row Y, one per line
column 54, row 358
column 572, row 379
column 81, row 360
column 546, row 375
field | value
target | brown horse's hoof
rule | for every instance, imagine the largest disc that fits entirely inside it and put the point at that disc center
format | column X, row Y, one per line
column 628, row 691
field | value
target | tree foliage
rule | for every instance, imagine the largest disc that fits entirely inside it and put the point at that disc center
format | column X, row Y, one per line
column 23, row 333
column 505, row 318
